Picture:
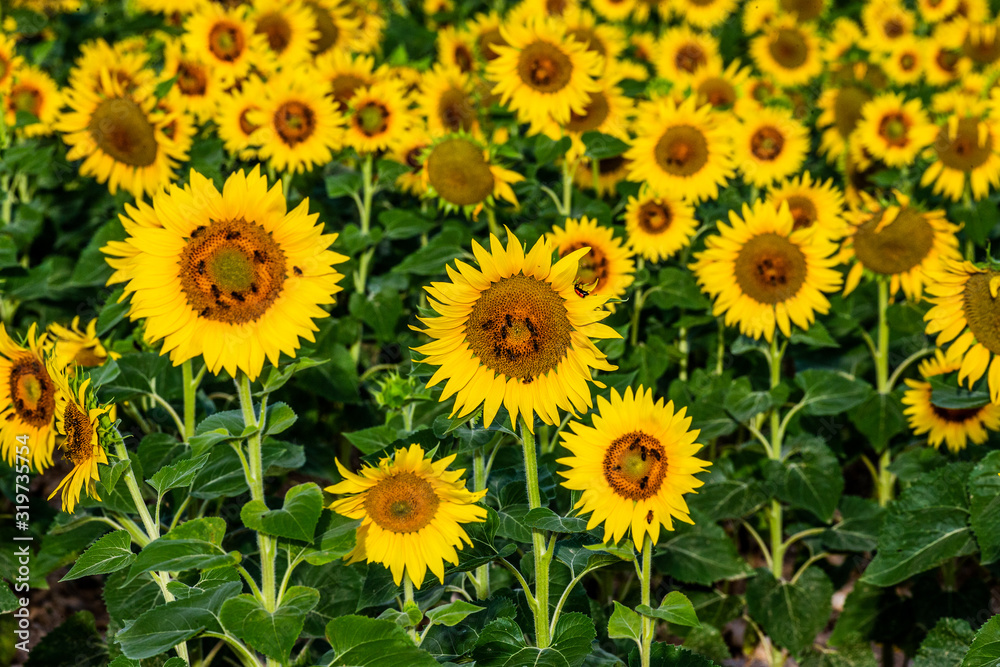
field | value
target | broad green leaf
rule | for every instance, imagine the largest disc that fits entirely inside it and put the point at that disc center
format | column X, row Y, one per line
column 861, row 610
column 856, row 655
column 707, row 641
column 543, row 518
column 859, row 527
column 512, row 522
column 951, row 397
column 296, row 519
column 728, row 498
column 573, row 637
column 830, row 392
column 700, row 554
column 109, row 554
column 985, row 649
column 817, row 336
column 625, row 624
column 173, row 555
column 209, row 529
column 278, row 377
column 879, row 418
column 280, row 418
column 374, row 439
column 273, row 634
column 356, row 641
column 548, row 150
column 338, row 535
column 8, row 601
column 791, row 614
column 675, row 608
column 946, row 644
column 177, row 475
column 669, row 655
column 602, row 146
column 742, row 402
column 453, row 613
column 809, row 479
column 984, row 490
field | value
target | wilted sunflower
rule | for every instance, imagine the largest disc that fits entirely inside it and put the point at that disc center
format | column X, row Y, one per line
column 966, row 149
column 73, row 346
column 762, row 273
column 80, row 442
column 233, row 114
column 461, row 174
column 543, row 72
column 681, row 53
column 658, row 225
column 515, row 333
column 34, row 92
column 955, row 426
column 894, row 130
column 231, row 276
column 337, row 24
column 607, row 269
column 412, row 511
column 378, row 116
column 223, row 39
column 788, row 52
column 680, row 147
column 446, row 101
column 634, row 465
column 289, row 29
column 813, row 204
column 768, row 145
column 27, row 399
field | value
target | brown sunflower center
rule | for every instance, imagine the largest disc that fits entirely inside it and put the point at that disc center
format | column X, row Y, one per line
column 896, row 248
column 766, row 143
column 294, row 122
column 893, row 28
column 464, row 58
column 718, row 92
column 455, row 110
column 588, row 37
column 4, row 67
column 459, row 173
column 907, row 62
column 595, row 113
column 654, row 218
column 803, row 211
column 544, row 67
column 806, row 10
column 981, row 48
column 947, row 60
column 982, row 311
column 593, row 266
column 893, row 128
column 32, row 392
column 192, row 80
column 610, row 165
column 487, row 40
column 956, row 415
column 770, row 269
column 78, row 446
column 26, row 98
column 402, row 503
column 847, row 108
column 963, row 151
column 635, row 465
column 329, row 32
column 226, row 41
column 246, row 126
column 372, row 119
column 682, row 150
column 556, row 7
column 343, row 87
column 275, row 27
column 414, row 157
column 121, row 129
column 689, row 57
column 789, row 48
column 232, row 271
column 519, row 327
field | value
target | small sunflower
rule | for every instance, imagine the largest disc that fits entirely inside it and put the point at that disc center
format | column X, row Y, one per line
column 681, row 53
column 788, row 51
column 704, row 14
column 608, row 111
column 129, row 69
column 27, row 399
column 345, row 74
column 198, row 86
column 604, row 39
column 897, row 242
column 412, row 511
column 613, row 10
column 844, row 36
column 894, row 130
column 231, row 276
column 814, row 205
column 223, row 39
column 634, row 465
column 485, row 32
column 379, row 115
column 762, row 273
column 10, row 62
column 336, row 23
column 289, row 29
column 456, row 49
column 607, row 269
column 410, row 151
column 610, row 172
column 966, row 151
column 841, row 108
column 659, row 225
column 982, row 44
column 905, row 63
column 80, row 443
column 446, row 101
column 371, row 23
column 768, row 145
column 680, row 147
column 721, row 88
column 34, row 92
column 804, row 10
column 945, row 61
column 954, row 426
column 515, row 333
column 233, row 114
column 885, row 21
column 934, row 11
column 73, row 346
column 462, row 175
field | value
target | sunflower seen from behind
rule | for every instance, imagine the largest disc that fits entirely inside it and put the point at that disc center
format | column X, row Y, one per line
column 77, row 421
column 604, row 271
column 231, row 276
column 411, row 511
column 463, row 175
column 27, row 399
column 634, row 465
column 659, row 225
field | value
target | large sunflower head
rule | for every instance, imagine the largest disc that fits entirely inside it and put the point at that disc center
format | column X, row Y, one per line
column 77, row 419
column 813, row 204
column 762, row 273
column 768, row 145
column 36, row 93
column 607, row 269
column 788, row 51
column 894, row 130
column 379, row 116
column 634, row 465
column 224, row 39
column 965, row 152
column 411, row 510
column 232, row 276
column 906, row 62
column 27, row 400
column 946, row 61
column 75, row 347
column 954, row 426
column 659, row 225
column 463, row 175
column 515, row 333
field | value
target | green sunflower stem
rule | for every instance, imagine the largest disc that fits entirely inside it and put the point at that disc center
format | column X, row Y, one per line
column 367, row 192
column 774, row 513
column 567, row 195
column 481, row 582
column 636, row 313
column 683, row 347
column 409, row 602
column 191, row 382
column 647, row 623
column 886, row 480
column 540, row 609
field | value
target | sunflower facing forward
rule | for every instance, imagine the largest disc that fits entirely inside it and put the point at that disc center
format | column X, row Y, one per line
column 634, row 465
column 231, row 276
column 966, row 150
column 894, row 130
column 607, row 269
column 515, row 333
column 412, row 511
column 659, row 225
column 813, row 204
column 27, row 399
column 80, row 443
column 763, row 274
column 769, row 144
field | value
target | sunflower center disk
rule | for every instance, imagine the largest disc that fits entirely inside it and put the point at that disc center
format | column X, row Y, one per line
column 32, row 391
column 963, row 151
column 544, row 67
column 596, row 113
column 225, row 42
column 806, row 10
column 519, row 327
column 908, row 61
column 897, row 247
column 682, row 150
column 955, row 415
column 487, row 41
column 610, row 165
column 455, row 111
column 294, row 122
column 770, row 268
column 78, row 446
column 654, row 218
column 689, row 58
column 635, row 465
column 191, row 79
column 463, row 58
column 766, row 143
column 803, row 212
column 459, row 173
column 344, row 86
column 372, row 119
column 982, row 311
column 276, row 29
column 232, row 271
column 789, row 49
column 246, row 126
column 122, row 130
column 329, row 33
column 26, row 99
column 717, row 92
column 403, row 503
column 593, row 266
column 893, row 129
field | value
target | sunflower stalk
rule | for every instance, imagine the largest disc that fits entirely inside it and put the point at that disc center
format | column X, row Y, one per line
column 540, row 608
column 885, row 480
column 774, row 453
column 567, row 194
column 481, row 580
column 409, row 603
column 191, row 383
column 647, row 623
column 367, row 192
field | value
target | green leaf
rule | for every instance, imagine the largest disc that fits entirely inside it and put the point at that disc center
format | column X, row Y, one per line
column 675, row 608
column 602, row 146
column 273, row 634
column 454, row 613
column 669, row 655
column 543, row 518
column 279, row 376
column 211, row 529
column 742, row 402
column 791, row 614
column 296, row 519
column 879, row 418
column 337, row 538
column 809, row 479
column 984, row 491
column 8, row 601
column 343, row 184
column 728, row 498
column 108, row 554
column 374, row 439
column 573, row 637
column 625, row 624
column 946, row 644
column 945, row 395
column 280, row 418
column 816, row 337
column 401, row 223
column 861, row 611
column 858, row 530
column 547, row 151
column 830, row 392
column 700, row 554
column 357, row 641
column 177, row 475
column 985, row 649
column 173, row 555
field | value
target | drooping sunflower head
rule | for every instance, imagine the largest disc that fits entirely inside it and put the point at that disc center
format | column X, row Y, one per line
column 762, row 273
column 894, row 130
column 411, row 510
column 965, row 152
column 379, row 115
column 232, row 276
column 462, row 175
column 788, row 51
column 607, row 269
column 768, row 145
column 27, row 399
column 515, row 333
column 813, row 205
column 659, row 225
column 35, row 93
column 77, row 421
column 75, row 347
column 634, row 465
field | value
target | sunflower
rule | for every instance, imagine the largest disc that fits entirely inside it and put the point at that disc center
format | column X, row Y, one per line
column 371, row 23
column 461, row 174
column 608, row 111
column 298, row 127
column 607, row 269
column 543, row 73
column 704, row 14
column 613, row 10
column 768, row 145
column 604, row 39
column 75, row 347
column 34, row 92
column 120, row 137
column 379, row 115
column 446, row 101
column 643, row 11
column 659, row 226
column 10, row 62
column 905, row 63
column 680, row 147
column 681, row 53
column 27, row 399
column 814, row 205
column 762, row 272
column 528, row 9
column 840, row 114
column 231, row 276
column 128, row 68
column 412, row 511
column 944, row 59
column 966, row 151
column 955, row 426
column 80, row 443
column 196, row 83
column 610, row 172
column 336, row 25
column 934, row 11
column 898, row 242
column 345, row 74
column 721, row 88
column 485, row 33
column 456, row 49
column 982, row 44
column 515, row 332
column 894, row 130
column 233, row 114
column 885, row 21
column 289, row 29
column 409, row 150
column 634, row 465
column 223, row 39
column 788, row 51
column 844, row 36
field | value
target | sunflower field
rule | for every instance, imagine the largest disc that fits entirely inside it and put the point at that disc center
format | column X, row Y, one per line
column 555, row 333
